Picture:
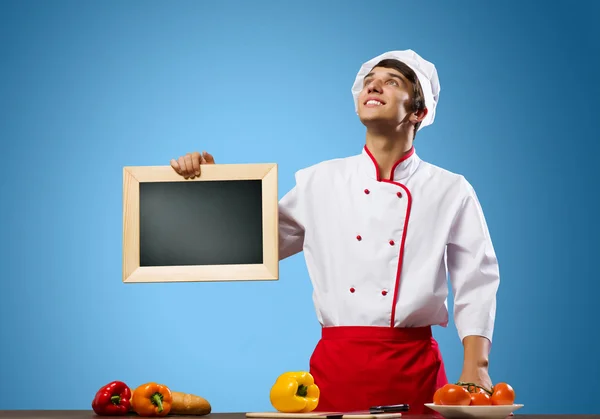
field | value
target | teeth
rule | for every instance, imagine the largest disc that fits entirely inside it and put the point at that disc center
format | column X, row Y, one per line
column 373, row 102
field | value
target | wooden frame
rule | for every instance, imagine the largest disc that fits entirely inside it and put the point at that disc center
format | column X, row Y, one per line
column 134, row 273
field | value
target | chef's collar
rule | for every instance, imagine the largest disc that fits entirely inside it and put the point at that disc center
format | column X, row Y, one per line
column 402, row 169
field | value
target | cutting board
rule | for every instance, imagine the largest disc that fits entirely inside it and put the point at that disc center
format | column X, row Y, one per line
column 322, row 415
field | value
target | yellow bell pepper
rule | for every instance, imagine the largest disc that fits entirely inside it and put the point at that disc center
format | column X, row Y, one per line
column 295, row 392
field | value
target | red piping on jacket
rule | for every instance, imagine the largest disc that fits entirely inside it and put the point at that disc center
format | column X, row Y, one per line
column 408, row 208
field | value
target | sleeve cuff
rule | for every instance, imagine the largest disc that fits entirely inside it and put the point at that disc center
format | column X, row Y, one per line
column 486, row 333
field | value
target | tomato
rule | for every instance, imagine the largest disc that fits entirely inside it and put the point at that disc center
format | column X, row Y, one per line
column 480, row 398
column 436, row 396
column 454, row 395
column 503, row 394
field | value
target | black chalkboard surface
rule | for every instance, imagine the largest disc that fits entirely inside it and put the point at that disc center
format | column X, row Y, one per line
column 201, row 223
column 222, row 226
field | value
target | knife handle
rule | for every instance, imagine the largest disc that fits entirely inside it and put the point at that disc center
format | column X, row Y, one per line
column 391, row 408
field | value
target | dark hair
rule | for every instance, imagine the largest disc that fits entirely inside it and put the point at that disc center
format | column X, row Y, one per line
column 418, row 99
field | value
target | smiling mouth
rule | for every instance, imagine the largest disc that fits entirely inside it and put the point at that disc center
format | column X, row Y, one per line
column 373, row 103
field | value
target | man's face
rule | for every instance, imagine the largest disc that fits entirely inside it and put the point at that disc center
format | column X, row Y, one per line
column 385, row 98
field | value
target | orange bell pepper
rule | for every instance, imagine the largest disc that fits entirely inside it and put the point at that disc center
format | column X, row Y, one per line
column 152, row 399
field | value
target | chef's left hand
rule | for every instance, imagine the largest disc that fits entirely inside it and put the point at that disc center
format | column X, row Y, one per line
column 476, row 375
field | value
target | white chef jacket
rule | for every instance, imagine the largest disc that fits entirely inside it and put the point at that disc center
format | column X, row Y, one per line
column 378, row 249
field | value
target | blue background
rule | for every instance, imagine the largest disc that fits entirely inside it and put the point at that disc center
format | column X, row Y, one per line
column 90, row 87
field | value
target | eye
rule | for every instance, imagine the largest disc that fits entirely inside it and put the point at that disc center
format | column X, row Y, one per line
column 394, row 82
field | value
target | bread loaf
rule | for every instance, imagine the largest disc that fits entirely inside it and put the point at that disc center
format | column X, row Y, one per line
column 189, row 404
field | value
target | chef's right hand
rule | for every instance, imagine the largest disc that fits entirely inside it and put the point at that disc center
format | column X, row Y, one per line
column 188, row 166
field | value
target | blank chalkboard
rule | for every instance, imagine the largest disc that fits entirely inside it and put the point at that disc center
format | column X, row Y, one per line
column 201, row 223
column 222, row 226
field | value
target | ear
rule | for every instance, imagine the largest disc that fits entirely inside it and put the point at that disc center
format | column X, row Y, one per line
column 418, row 116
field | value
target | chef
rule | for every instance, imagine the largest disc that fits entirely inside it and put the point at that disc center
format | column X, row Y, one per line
column 380, row 231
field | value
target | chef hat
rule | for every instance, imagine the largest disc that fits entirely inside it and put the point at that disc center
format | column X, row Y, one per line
column 425, row 71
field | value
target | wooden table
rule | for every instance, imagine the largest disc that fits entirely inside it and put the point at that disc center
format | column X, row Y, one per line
column 89, row 414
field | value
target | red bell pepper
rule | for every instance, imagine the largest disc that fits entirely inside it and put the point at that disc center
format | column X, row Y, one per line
column 114, row 399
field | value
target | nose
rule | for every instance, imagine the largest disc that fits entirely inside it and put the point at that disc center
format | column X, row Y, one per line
column 374, row 86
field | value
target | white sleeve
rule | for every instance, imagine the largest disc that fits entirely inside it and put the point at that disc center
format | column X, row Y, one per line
column 473, row 268
column 291, row 232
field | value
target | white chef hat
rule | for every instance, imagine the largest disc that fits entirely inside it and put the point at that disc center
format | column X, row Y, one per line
column 425, row 71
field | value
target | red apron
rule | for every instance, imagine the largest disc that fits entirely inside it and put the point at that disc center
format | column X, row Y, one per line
column 357, row 367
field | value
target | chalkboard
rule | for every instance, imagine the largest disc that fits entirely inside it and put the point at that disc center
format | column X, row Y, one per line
column 221, row 226
column 201, row 223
